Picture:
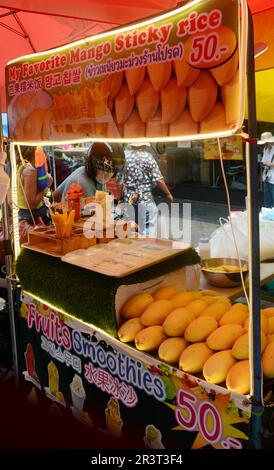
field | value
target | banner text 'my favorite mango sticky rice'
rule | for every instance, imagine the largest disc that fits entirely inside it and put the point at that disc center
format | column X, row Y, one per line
column 175, row 75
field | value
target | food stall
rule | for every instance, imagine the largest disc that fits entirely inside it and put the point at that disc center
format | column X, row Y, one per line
column 179, row 76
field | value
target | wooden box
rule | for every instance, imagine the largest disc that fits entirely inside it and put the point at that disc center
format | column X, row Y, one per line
column 44, row 239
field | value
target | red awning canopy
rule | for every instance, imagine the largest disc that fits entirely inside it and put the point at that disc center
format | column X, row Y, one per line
column 28, row 26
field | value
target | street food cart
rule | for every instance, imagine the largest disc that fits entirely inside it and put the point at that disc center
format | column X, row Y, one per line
column 178, row 76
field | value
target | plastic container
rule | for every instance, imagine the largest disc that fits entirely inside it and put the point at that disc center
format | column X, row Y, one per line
column 204, row 247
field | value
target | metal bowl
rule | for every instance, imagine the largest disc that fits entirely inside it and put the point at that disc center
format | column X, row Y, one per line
column 222, row 278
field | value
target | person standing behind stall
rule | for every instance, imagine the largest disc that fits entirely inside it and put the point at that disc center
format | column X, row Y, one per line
column 141, row 173
column 268, row 164
column 96, row 172
column 30, row 197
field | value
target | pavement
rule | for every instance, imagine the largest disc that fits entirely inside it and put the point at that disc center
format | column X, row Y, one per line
column 195, row 219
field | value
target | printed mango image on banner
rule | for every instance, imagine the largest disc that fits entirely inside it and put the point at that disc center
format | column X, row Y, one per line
column 171, row 76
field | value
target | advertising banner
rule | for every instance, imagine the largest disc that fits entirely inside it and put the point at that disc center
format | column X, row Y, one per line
column 232, row 148
column 176, row 75
column 121, row 392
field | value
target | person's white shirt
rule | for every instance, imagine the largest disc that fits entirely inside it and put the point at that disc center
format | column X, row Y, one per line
column 267, row 157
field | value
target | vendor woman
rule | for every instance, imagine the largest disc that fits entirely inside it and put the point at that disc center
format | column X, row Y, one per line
column 99, row 168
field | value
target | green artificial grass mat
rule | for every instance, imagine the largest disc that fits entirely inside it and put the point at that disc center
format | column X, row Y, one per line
column 84, row 294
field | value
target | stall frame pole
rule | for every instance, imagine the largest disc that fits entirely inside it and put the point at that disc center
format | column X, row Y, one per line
column 254, row 249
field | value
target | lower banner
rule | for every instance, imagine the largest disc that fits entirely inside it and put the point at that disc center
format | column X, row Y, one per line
column 113, row 389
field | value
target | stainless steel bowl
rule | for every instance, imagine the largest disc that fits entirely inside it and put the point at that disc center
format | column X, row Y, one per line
column 222, row 278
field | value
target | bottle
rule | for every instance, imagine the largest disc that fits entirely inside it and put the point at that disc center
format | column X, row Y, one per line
column 204, row 247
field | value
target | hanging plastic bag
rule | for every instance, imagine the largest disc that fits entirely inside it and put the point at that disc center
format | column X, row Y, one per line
column 222, row 243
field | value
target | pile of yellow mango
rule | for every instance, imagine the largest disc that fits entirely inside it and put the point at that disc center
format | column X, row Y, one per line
column 200, row 332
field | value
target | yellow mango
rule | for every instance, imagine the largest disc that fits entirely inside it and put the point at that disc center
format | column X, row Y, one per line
column 181, row 299
column 270, row 338
column 185, row 74
column 136, row 305
column 230, row 96
column 264, row 324
column 155, row 127
column 171, row 349
column 150, row 338
column 240, row 306
column 173, row 100
column 240, row 349
column 216, row 309
column 209, row 292
column 215, row 121
column 268, row 361
column 202, row 95
column 217, row 366
column 147, row 101
column 270, row 325
column 224, row 73
column 156, row 312
column 123, row 104
column 197, row 306
column 200, row 328
column 159, row 74
column 209, row 299
column 193, row 357
column 177, row 321
column 134, row 126
column 135, row 78
column 238, row 378
column 129, row 330
column 183, row 125
column 164, row 293
column 115, row 84
column 224, row 337
column 234, row 315
column 268, row 312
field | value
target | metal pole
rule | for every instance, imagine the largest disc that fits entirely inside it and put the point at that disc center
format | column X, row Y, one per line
column 9, row 272
column 10, row 282
column 254, row 250
column 54, row 168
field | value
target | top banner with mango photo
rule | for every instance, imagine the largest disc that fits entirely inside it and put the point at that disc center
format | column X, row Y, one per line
column 174, row 77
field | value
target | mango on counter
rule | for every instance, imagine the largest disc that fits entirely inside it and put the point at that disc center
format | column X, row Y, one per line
column 183, row 125
column 268, row 361
column 270, row 325
column 224, row 73
column 216, row 309
column 200, row 328
column 150, row 338
column 155, row 127
column 224, row 337
column 171, row 349
column 197, row 306
column 240, row 349
column 217, row 366
column 156, row 312
column 268, row 312
column 194, row 356
column 264, row 324
column 231, row 96
column 215, row 121
column 181, row 299
column 136, row 305
column 177, row 321
column 123, row 104
column 238, row 378
column 234, row 315
column 129, row 330
column 134, row 126
column 164, row 293
column 185, row 74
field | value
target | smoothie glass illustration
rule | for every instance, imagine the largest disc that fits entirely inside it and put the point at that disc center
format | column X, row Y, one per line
column 78, row 393
column 53, row 378
column 114, row 422
column 30, row 361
